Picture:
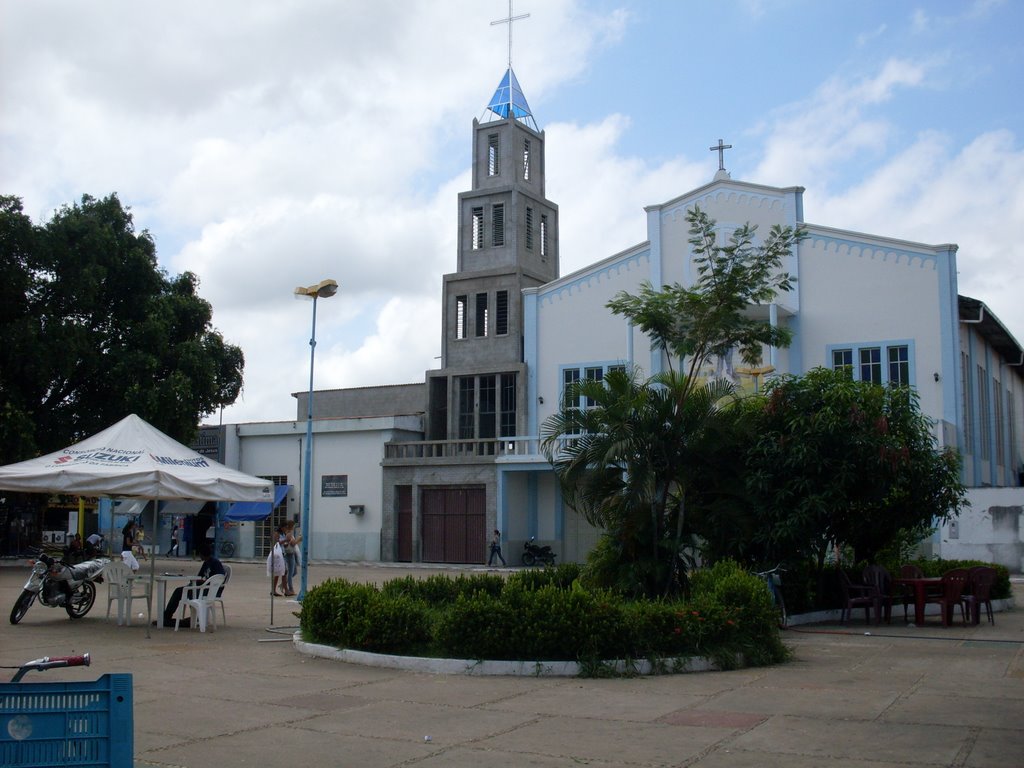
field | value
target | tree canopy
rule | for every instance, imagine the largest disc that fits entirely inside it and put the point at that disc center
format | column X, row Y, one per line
column 91, row 329
column 842, row 463
column 633, row 457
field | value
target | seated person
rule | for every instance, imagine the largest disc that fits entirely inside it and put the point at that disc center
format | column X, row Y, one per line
column 211, row 566
column 93, row 544
column 73, row 551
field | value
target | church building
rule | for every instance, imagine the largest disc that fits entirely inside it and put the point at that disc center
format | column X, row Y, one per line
column 424, row 472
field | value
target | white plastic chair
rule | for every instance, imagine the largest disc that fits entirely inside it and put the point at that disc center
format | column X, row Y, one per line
column 123, row 587
column 220, row 598
column 201, row 601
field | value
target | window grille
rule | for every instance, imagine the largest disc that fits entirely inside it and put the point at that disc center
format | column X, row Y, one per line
column 899, row 366
column 461, row 317
column 481, row 314
column 498, row 222
column 467, row 421
column 492, row 155
column 508, row 404
column 478, row 229
column 842, row 360
column 871, row 365
column 488, row 408
column 501, row 313
column 526, row 159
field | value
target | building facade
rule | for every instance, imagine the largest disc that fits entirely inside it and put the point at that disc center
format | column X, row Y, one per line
column 436, row 466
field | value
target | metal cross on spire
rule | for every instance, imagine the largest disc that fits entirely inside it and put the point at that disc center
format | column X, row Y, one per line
column 509, row 21
column 720, row 149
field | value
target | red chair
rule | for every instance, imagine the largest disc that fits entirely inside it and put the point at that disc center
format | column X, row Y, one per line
column 954, row 583
column 981, row 578
column 858, row 596
column 876, row 576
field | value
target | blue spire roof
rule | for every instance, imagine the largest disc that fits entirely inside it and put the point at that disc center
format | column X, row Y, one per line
column 509, row 100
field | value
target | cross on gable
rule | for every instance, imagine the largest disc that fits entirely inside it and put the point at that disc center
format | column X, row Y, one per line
column 508, row 20
column 720, row 149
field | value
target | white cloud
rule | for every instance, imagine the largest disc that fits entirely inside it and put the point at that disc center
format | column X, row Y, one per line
column 812, row 139
column 606, row 192
column 926, row 189
column 268, row 145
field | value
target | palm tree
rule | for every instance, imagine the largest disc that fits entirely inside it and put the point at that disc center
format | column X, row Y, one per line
column 626, row 452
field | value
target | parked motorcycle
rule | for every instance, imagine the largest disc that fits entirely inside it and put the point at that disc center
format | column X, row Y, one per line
column 59, row 585
column 534, row 553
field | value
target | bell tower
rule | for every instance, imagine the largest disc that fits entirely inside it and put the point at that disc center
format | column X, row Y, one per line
column 507, row 241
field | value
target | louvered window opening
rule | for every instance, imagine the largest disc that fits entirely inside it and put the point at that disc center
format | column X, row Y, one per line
column 481, row 314
column 498, row 222
column 492, row 155
column 478, row 229
column 501, row 313
column 461, row 317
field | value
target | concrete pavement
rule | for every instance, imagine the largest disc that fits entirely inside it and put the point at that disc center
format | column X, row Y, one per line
column 910, row 697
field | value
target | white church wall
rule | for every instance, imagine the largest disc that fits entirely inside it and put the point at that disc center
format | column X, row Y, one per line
column 575, row 328
column 858, row 293
column 990, row 531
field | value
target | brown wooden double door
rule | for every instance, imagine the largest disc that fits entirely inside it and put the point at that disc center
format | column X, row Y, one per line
column 454, row 525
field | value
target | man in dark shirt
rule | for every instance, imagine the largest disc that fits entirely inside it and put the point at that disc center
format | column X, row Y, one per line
column 211, row 567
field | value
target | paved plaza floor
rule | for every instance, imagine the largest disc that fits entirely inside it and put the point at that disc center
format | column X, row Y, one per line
column 907, row 697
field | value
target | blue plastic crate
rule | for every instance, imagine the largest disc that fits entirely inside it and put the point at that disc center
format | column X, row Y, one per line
column 58, row 724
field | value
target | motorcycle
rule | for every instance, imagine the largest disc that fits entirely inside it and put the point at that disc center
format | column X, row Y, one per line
column 535, row 553
column 59, row 585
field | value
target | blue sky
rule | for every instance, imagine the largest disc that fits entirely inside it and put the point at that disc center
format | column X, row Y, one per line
column 267, row 145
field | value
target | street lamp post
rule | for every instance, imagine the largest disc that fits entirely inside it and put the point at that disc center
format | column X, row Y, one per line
column 322, row 290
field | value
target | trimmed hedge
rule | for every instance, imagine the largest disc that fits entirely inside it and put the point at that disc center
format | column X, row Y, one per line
column 546, row 615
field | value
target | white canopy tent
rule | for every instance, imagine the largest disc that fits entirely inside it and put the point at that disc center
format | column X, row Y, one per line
column 133, row 459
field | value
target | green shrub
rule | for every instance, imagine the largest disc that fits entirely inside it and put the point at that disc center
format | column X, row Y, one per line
column 547, row 615
column 476, row 626
column 358, row 616
column 438, row 589
column 327, row 608
column 562, row 576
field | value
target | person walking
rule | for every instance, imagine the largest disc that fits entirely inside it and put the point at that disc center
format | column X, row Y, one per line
column 173, row 550
column 496, row 549
column 275, row 564
column 290, row 545
column 128, row 545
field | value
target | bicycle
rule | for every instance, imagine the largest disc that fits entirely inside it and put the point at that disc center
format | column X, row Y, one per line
column 227, row 548
column 773, row 582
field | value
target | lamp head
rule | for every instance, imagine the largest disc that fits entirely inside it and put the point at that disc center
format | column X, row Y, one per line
column 322, row 290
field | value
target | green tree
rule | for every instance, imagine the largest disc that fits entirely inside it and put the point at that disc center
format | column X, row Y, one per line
column 19, row 330
column 632, row 459
column 841, row 463
column 97, row 330
column 624, row 463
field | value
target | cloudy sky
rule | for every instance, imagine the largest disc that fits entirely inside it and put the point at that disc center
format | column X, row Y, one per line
column 269, row 144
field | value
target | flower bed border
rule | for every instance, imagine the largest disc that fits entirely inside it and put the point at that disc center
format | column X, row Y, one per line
column 483, row 668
